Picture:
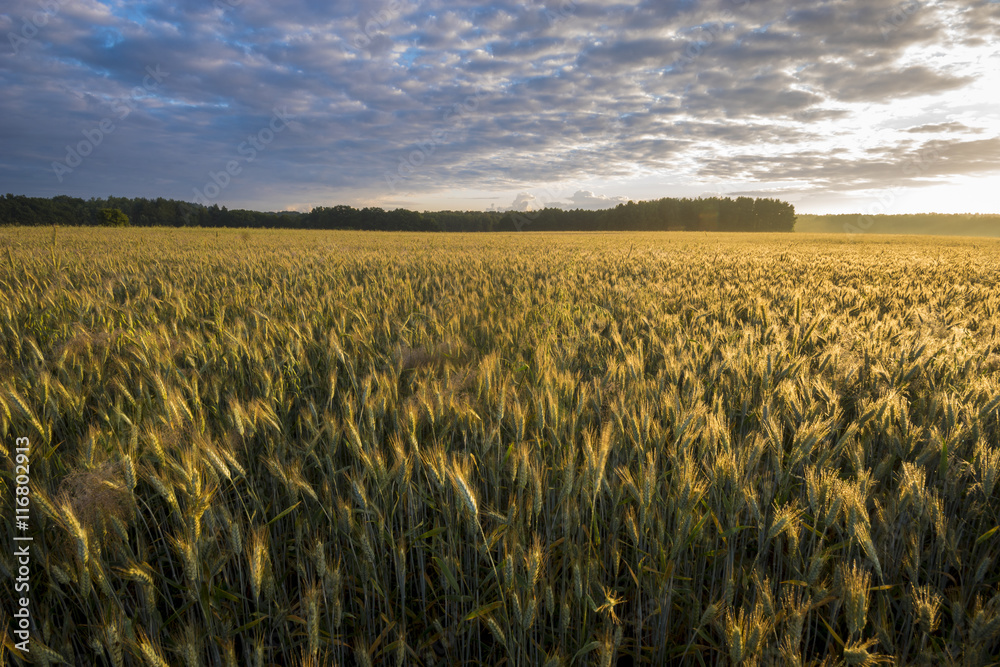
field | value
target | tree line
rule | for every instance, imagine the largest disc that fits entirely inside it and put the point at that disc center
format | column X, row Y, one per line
column 702, row 214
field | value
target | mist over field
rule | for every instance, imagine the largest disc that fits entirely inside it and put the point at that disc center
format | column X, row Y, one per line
column 933, row 224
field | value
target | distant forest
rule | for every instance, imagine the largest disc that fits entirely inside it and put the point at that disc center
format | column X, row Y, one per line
column 708, row 214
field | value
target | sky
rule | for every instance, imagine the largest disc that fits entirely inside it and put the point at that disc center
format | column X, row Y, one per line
column 837, row 106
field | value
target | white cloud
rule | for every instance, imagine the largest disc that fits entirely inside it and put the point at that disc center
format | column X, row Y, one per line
column 586, row 199
column 524, row 201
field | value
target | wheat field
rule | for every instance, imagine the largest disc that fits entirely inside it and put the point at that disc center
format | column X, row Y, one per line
column 313, row 448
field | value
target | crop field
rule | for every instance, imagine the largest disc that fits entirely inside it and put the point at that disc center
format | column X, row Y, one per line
column 313, row 448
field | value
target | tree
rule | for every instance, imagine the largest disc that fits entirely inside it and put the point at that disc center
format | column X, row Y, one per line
column 702, row 214
column 112, row 217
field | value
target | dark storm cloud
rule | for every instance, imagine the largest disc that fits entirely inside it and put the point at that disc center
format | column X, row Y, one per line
column 562, row 88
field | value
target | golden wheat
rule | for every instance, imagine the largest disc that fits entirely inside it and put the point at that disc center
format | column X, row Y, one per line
column 350, row 448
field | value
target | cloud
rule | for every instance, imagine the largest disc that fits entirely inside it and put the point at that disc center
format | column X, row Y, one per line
column 581, row 199
column 586, row 199
column 847, row 84
column 567, row 91
column 938, row 128
column 524, row 201
column 905, row 164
